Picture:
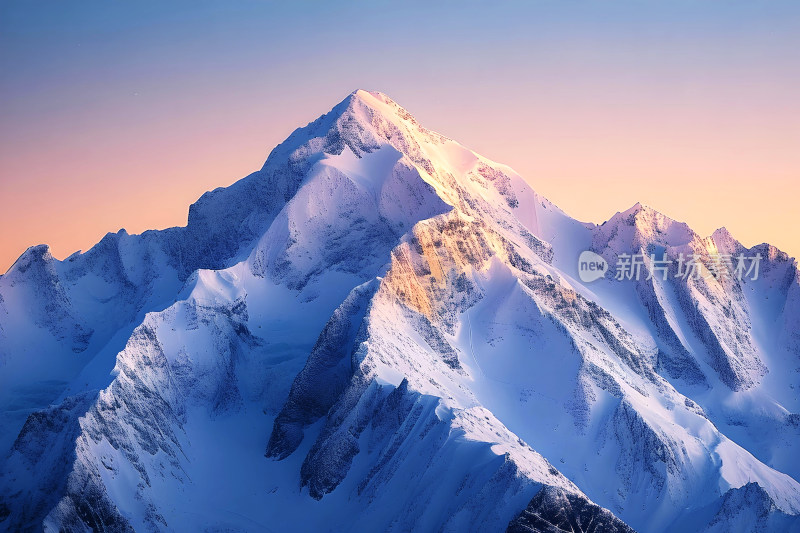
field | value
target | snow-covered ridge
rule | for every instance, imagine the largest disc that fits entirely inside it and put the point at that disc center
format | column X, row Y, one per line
column 398, row 323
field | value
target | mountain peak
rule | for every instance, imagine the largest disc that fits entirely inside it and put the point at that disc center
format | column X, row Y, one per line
column 365, row 106
column 641, row 225
column 724, row 241
column 640, row 215
column 374, row 101
column 38, row 254
column 367, row 96
column 635, row 209
column 640, row 210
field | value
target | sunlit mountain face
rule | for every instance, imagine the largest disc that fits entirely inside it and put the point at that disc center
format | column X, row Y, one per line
column 381, row 330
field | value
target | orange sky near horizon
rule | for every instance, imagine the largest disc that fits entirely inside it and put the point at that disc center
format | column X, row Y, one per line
column 104, row 127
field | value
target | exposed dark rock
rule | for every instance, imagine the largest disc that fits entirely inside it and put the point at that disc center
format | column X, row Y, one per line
column 554, row 510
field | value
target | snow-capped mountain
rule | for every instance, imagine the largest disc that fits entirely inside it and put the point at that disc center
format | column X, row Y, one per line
column 382, row 330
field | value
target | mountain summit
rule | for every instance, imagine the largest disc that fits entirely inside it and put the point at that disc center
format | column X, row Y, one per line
column 383, row 330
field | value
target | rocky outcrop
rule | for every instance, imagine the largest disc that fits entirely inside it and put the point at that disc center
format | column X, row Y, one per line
column 555, row 511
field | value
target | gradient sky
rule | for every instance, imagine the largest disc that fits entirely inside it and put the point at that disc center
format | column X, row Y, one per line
column 120, row 114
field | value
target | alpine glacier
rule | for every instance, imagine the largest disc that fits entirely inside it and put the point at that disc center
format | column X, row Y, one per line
column 382, row 330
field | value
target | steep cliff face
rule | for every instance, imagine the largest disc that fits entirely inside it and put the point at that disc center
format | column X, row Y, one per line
column 555, row 511
column 398, row 324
